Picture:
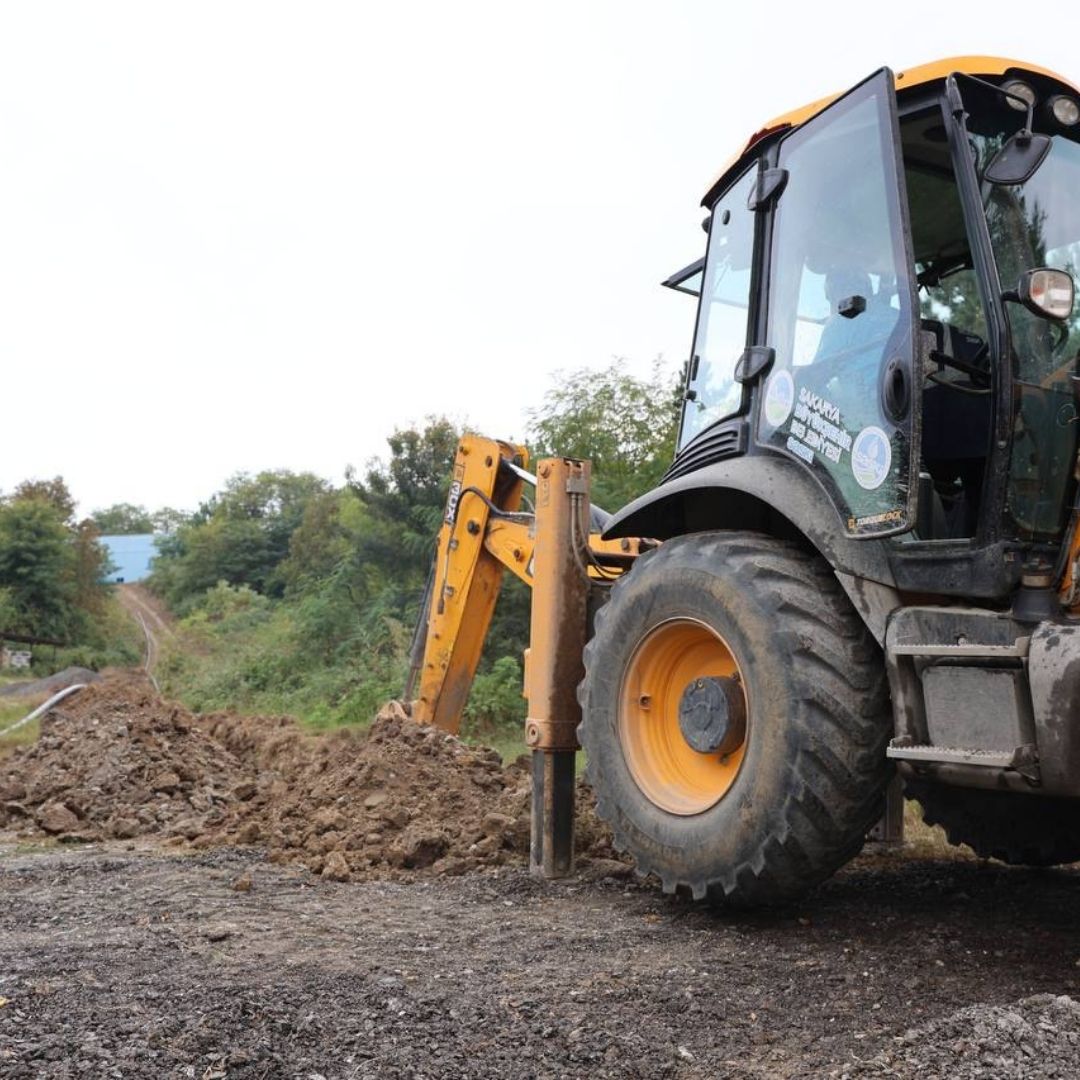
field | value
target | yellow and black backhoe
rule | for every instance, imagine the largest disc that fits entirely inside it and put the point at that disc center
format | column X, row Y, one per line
column 862, row 569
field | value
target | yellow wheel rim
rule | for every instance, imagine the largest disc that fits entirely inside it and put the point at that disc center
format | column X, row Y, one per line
column 674, row 775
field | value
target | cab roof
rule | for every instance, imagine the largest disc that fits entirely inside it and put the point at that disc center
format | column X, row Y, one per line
column 935, row 71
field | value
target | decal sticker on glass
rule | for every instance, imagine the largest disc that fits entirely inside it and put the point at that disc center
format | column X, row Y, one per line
column 817, row 423
column 871, row 458
column 779, row 398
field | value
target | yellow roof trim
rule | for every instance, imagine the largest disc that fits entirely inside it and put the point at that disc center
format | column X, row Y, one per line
column 905, row 80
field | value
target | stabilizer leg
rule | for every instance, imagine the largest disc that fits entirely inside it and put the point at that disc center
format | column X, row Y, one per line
column 554, row 665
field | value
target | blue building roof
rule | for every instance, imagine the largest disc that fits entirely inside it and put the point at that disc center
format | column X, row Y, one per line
column 131, row 556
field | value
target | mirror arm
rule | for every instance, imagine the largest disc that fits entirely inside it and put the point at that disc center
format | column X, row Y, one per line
column 957, row 102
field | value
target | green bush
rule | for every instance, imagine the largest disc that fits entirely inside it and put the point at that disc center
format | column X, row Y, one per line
column 297, row 597
column 109, row 639
column 496, row 700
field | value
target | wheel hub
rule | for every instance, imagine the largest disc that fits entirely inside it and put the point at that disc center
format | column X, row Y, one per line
column 683, row 716
column 712, row 714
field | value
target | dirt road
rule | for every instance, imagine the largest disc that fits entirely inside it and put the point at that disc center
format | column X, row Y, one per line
column 151, row 616
column 120, row 963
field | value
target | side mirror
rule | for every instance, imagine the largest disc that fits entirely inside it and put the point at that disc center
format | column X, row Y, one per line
column 1019, row 159
column 1048, row 293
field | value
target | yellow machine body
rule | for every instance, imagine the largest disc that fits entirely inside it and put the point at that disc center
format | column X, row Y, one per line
column 708, row 671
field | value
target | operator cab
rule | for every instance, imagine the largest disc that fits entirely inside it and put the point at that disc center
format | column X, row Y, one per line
column 866, row 311
column 1031, row 224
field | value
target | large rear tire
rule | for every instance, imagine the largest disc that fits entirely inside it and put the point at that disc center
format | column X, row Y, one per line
column 735, row 718
column 1018, row 829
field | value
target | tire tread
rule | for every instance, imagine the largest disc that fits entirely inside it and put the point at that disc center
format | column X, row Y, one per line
column 833, row 796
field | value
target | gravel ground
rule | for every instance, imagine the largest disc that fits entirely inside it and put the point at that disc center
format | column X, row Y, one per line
column 116, row 962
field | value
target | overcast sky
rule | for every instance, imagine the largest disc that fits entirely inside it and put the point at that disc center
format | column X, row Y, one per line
column 237, row 236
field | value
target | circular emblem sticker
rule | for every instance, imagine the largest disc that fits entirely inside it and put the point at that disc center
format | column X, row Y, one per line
column 871, row 456
column 779, row 397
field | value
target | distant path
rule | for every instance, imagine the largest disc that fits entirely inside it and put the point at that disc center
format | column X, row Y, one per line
column 153, row 618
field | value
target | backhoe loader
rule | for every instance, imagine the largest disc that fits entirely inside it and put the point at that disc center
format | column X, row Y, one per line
column 862, row 568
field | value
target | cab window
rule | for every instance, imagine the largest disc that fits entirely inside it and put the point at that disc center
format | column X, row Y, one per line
column 720, row 338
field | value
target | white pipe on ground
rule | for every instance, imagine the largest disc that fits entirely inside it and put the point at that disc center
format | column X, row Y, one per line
column 44, row 708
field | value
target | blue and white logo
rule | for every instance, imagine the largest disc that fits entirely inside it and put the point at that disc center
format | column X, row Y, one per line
column 871, row 457
column 779, row 397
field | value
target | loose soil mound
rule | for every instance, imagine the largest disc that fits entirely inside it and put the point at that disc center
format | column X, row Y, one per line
column 1036, row 1036
column 118, row 762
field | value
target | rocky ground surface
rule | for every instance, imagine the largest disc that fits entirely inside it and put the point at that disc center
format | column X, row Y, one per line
column 214, row 965
column 227, row 898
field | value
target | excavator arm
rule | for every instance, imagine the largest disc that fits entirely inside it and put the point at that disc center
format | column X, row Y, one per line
column 484, row 532
column 553, row 550
column 481, row 532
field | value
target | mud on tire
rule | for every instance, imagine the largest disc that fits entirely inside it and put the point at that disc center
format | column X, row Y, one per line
column 813, row 771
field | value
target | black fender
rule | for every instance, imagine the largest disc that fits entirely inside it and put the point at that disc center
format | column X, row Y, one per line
column 761, row 492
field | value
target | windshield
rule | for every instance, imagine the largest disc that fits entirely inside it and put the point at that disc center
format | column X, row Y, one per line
column 1031, row 225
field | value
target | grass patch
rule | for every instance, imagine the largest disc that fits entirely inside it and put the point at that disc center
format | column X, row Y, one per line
column 11, row 712
column 510, row 743
column 240, row 652
column 28, row 847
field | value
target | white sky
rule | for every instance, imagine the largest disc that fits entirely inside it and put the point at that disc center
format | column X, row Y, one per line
column 237, row 236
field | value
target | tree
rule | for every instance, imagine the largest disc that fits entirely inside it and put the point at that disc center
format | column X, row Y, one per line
column 37, row 569
column 624, row 425
column 319, row 544
column 406, row 497
column 123, row 519
column 90, row 564
column 54, row 492
column 167, row 520
column 240, row 536
column 9, row 612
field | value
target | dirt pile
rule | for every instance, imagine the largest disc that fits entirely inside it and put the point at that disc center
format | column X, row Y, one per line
column 399, row 799
column 1036, row 1036
column 115, row 761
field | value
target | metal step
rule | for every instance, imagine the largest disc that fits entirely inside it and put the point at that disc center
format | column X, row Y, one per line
column 986, row 652
column 954, row 755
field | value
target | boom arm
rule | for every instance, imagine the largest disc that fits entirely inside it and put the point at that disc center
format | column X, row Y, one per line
column 483, row 532
column 484, row 498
